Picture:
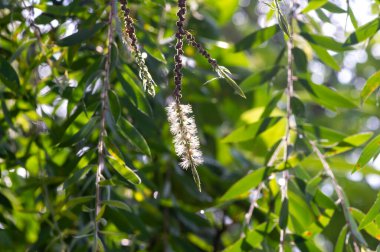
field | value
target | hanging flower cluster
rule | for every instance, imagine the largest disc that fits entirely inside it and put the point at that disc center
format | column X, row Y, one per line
column 182, row 123
column 129, row 37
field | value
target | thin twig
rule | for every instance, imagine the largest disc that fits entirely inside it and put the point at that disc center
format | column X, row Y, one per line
column 257, row 191
column 289, row 114
column 338, row 189
column 103, row 130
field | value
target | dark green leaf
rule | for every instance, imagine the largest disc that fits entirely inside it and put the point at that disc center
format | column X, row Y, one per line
column 133, row 136
column 326, row 96
column 257, row 38
column 333, row 8
column 114, row 105
column 258, row 79
column 326, row 42
column 8, row 76
column 284, row 213
column 80, row 36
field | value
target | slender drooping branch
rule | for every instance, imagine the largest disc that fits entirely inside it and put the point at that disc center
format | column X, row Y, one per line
column 338, row 189
column 257, row 191
column 182, row 123
column 289, row 117
column 129, row 37
column 103, row 130
column 179, row 50
column 192, row 41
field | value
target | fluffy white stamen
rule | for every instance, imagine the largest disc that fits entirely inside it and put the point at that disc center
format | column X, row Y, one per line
column 185, row 139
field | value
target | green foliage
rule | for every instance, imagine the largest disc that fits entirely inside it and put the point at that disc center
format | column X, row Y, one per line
column 76, row 118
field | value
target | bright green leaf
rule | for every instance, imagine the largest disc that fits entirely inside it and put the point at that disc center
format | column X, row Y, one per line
column 371, row 150
column 245, row 184
column 370, row 86
column 313, row 5
column 372, row 213
column 363, row 32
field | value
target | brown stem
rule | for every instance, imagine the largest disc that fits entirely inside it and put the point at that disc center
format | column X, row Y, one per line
column 103, row 130
column 179, row 49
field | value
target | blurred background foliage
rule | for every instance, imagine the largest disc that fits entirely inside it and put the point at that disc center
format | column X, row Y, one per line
column 52, row 61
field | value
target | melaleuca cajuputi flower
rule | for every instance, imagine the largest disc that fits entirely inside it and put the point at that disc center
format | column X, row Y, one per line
column 180, row 116
column 185, row 137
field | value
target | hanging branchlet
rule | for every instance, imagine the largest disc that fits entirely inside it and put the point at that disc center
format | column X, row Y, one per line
column 179, row 49
column 186, row 141
column 222, row 71
column 129, row 38
column 182, row 123
column 191, row 41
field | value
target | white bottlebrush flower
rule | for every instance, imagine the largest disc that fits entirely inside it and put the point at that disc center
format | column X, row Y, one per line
column 186, row 141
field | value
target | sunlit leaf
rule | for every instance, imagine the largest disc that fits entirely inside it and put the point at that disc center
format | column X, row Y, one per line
column 371, row 150
column 363, row 32
column 314, row 4
column 248, row 182
column 370, row 86
column 372, row 214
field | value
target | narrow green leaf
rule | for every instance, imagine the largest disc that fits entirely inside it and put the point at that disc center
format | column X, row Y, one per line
column 372, row 149
column 349, row 143
column 257, row 38
column 260, row 78
column 326, row 42
column 133, row 136
column 100, row 214
column 300, row 59
column 245, row 184
column 372, row 213
column 371, row 228
column 339, row 247
column 370, row 86
column 333, row 8
column 81, row 134
column 352, row 17
column 284, row 213
column 271, row 105
column 77, row 176
column 325, row 57
column 298, row 108
column 121, row 168
column 323, row 201
column 8, row 76
column 326, row 96
column 114, row 105
column 226, row 74
column 78, row 200
column 117, row 204
column 250, row 131
column 80, row 36
column 313, row 5
column 363, row 32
